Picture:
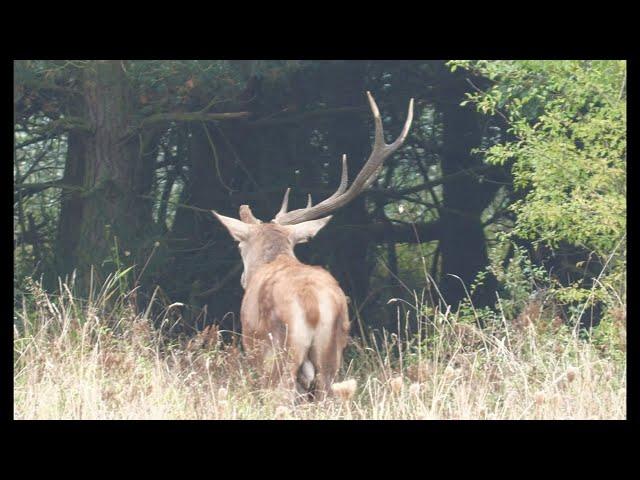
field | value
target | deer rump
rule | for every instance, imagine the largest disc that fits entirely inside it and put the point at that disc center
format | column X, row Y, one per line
column 296, row 316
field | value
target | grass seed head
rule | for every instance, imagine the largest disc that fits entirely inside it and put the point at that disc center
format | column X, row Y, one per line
column 222, row 392
column 396, row 384
column 414, row 389
column 345, row 390
column 282, row 412
column 449, row 372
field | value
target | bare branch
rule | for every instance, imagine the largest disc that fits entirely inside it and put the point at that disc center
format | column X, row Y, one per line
column 305, row 116
column 27, row 189
column 192, row 117
column 384, row 232
column 57, row 126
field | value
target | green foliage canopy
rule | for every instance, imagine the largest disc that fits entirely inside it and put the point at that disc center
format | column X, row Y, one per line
column 567, row 122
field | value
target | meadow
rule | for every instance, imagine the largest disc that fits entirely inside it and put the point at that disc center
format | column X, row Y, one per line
column 97, row 358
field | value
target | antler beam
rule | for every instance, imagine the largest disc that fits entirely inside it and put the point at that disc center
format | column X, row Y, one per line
column 363, row 180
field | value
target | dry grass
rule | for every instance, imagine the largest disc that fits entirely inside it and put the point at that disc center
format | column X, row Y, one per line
column 92, row 360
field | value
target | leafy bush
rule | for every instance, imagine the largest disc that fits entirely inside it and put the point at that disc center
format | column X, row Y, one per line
column 566, row 144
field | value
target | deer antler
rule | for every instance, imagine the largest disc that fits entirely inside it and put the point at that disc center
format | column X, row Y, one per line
column 363, row 180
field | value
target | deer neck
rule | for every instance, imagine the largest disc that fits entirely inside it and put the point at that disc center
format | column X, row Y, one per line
column 266, row 257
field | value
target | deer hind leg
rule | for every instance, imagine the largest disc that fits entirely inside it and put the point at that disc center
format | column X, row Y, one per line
column 261, row 357
column 326, row 367
column 282, row 359
column 326, row 352
column 276, row 373
column 284, row 370
column 299, row 370
column 267, row 355
column 325, row 356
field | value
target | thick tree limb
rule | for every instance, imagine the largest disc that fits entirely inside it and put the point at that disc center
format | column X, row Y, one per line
column 48, row 87
column 382, row 232
column 27, row 189
column 304, row 116
column 433, row 183
column 192, row 117
column 58, row 126
column 396, row 194
column 33, row 140
column 319, row 192
column 161, row 118
column 262, row 122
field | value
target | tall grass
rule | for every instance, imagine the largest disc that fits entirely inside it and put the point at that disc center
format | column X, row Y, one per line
column 99, row 359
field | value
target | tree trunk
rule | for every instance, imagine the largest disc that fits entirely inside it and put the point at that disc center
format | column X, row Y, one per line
column 68, row 231
column 112, row 172
column 463, row 246
column 204, row 252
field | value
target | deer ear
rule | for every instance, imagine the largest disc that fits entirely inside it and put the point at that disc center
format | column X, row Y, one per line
column 303, row 232
column 238, row 229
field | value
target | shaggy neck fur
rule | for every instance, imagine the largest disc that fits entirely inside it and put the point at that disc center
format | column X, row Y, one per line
column 264, row 247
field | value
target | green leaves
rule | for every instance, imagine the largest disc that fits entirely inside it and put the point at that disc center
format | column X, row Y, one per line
column 569, row 118
column 569, row 156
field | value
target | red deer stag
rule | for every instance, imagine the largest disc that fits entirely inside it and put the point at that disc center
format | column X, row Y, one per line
column 291, row 307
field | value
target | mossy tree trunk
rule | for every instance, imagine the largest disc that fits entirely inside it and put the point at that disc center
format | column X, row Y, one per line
column 111, row 168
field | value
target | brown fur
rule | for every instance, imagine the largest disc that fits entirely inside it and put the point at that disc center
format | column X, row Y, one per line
column 291, row 311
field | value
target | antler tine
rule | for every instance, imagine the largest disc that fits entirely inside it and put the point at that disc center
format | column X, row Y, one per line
column 405, row 129
column 380, row 149
column 344, row 180
column 363, row 180
column 377, row 120
column 309, row 201
column 380, row 137
column 344, row 177
column 285, row 203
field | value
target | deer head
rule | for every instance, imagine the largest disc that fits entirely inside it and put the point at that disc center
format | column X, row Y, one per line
column 295, row 306
column 259, row 243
